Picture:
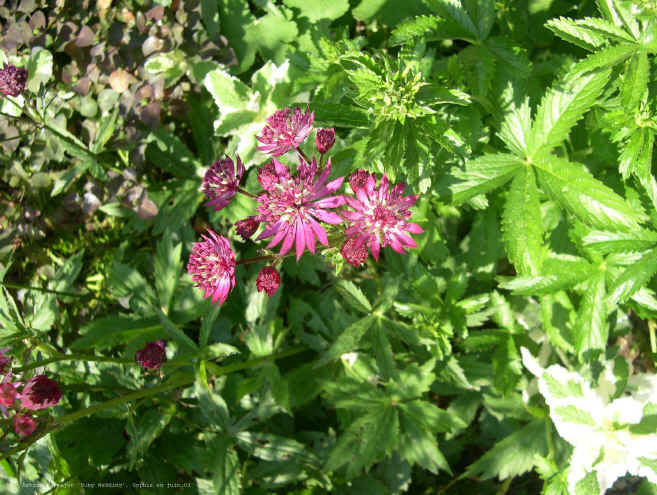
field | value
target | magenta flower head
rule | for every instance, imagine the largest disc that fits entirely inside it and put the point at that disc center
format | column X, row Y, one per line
column 221, row 182
column 285, row 130
column 8, row 394
column 24, row 425
column 247, row 227
column 268, row 280
column 379, row 216
column 12, row 80
column 212, row 266
column 152, row 355
column 40, row 392
column 325, row 140
column 292, row 205
column 354, row 251
column 359, row 179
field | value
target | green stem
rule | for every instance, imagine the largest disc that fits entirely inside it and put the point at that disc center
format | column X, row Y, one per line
column 246, row 193
column 49, row 291
column 303, row 155
column 89, row 358
column 651, row 332
column 63, row 421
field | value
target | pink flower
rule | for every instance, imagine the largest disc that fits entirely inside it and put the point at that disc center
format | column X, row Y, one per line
column 12, row 80
column 379, row 216
column 284, row 132
column 8, row 394
column 291, row 205
column 359, row 179
column 268, row 280
column 40, row 392
column 221, row 182
column 247, row 227
column 4, row 360
column 24, row 425
column 212, row 265
column 152, row 355
column 325, row 140
column 354, row 251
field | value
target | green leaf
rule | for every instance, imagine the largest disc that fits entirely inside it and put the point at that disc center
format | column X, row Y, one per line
column 571, row 414
column 588, row 485
column 105, row 130
column 635, row 82
column 484, row 174
column 236, row 17
column 514, row 455
column 563, row 105
column 576, row 32
column 584, row 196
column 522, row 230
column 559, row 272
column 272, row 33
column 516, row 128
column 636, row 154
column 168, row 152
column 353, row 296
column 315, row 10
column 126, row 282
column 605, row 242
column 168, row 264
column 150, row 425
column 591, row 330
column 176, row 333
column 506, row 365
column 340, row 115
column 225, row 466
column 103, row 333
column 419, row 446
column 607, row 57
column 454, row 12
column 348, row 340
column 39, row 68
column 633, row 278
column 210, row 17
column 213, row 407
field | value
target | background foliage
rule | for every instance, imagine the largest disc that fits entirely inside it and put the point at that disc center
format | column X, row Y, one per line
column 528, row 129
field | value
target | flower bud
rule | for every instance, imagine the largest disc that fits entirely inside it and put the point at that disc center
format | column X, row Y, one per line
column 247, row 227
column 24, row 425
column 12, row 80
column 152, row 355
column 8, row 394
column 354, row 251
column 268, row 280
column 325, row 140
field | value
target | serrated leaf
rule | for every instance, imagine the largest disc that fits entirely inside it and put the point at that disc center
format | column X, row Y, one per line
column 559, row 272
column 482, row 13
column 168, row 152
column 225, row 467
column 348, row 340
column 176, row 333
column 521, row 224
column 213, row 407
column 635, row 80
column 428, row 28
column 484, row 174
column 587, row 198
column 591, row 330
column 516, row 127
column 633, row 278
column 125, row 281
column 167, row 264
column 151, row 424
column 514, row 455
column 454, row 12
column 103, row 333
column 605, row 242
column 563, row 105
column 340, row 115
column 353, row 296
column 105, row 130
column 574, row 32
column 236, row 16
column 606, row 57
column 419, row 446
column 636, row 154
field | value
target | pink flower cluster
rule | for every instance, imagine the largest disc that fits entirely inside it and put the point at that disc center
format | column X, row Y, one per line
column 40, row 392
column 300, row 208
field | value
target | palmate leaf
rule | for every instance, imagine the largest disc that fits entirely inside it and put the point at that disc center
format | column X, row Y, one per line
column 634, row 277
column 482, row 13
column 605, row 242
column 484, row 174
column 635, row 82
column 514, row 455
column 419, row 446
column 587, row 198
column 591, row 329
column 522, row 226
column 562, row 106
column 454, row 12
column 636, row 155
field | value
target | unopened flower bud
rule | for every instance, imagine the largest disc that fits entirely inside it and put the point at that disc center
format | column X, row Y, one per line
column 268, row 280
column 12, row 80
column 325, row 140
column 24, row 425
column 40, row 392
column 247, row 227
column 152, row 355
column 354, row 251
